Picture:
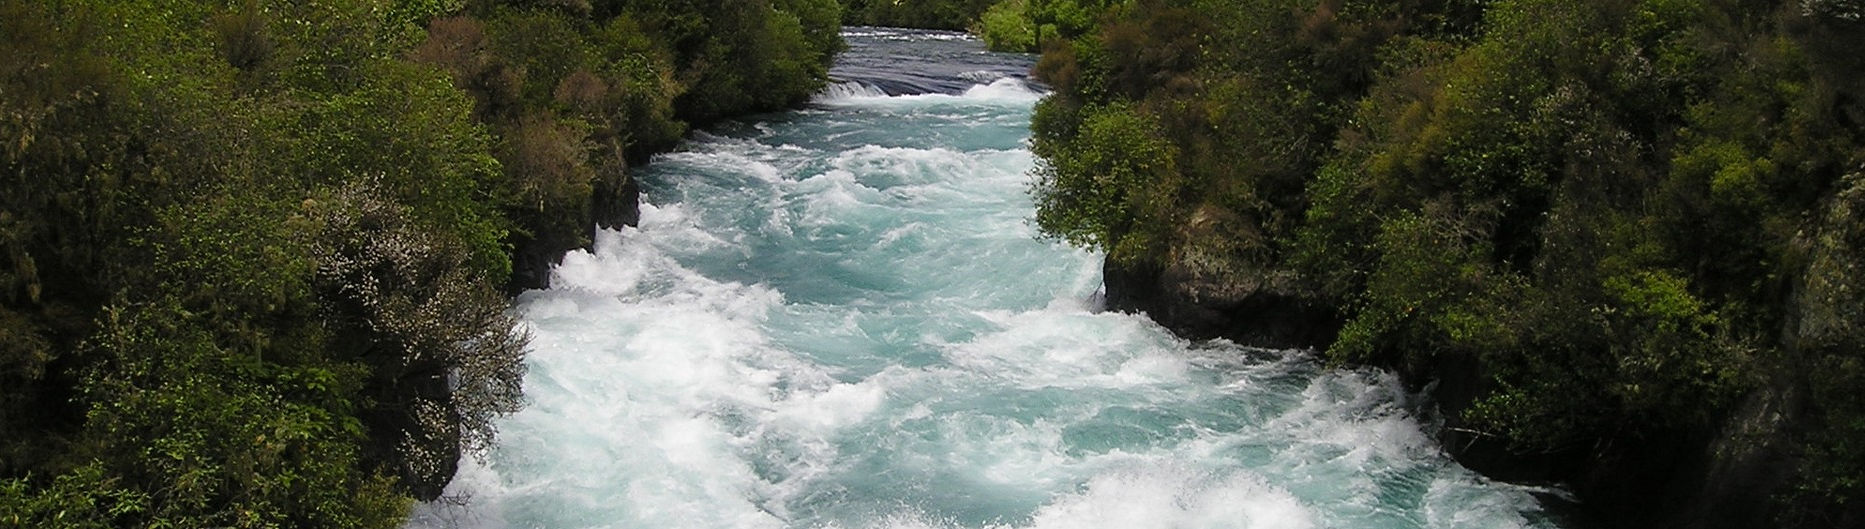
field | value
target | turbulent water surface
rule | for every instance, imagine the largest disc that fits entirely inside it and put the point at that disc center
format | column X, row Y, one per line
column 840, row 317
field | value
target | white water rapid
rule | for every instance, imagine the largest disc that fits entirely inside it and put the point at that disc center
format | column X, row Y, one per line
column 841, row 317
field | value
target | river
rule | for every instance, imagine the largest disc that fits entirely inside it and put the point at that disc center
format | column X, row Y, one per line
column 842, row 317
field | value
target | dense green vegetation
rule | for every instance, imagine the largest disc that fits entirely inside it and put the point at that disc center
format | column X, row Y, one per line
column 575, row 90
column 1005, row 25
column 1025, row 25
column 926, row 14
column 1628, row 215
column 254, row 250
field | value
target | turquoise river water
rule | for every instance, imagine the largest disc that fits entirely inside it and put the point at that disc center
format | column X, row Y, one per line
column 841, row 317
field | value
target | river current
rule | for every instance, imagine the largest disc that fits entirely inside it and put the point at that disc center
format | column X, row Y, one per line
column 842, row 317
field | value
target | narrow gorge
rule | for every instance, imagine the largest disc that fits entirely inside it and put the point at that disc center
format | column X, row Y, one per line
column 842, row 317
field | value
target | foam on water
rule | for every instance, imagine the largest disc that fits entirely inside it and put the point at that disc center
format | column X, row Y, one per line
column 1001, row 91
column 909, row 35
column 848, row 90
column 841, row 318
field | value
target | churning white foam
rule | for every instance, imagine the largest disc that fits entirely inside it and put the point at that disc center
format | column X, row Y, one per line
column 847, row 91
column 982, row 76
column 1175, row 497
column 880, row 33
column 867, row 333
column 1005, row 91
column 999, row 92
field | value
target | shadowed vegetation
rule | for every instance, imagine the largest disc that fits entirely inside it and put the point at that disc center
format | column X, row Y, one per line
column 253, row 254
column 1621, row 223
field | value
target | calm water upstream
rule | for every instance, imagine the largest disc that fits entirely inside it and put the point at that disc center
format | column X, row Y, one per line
column 841, row 317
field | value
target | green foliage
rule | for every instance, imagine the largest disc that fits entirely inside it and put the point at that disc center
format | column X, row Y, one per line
column 820, row 22
column 1834, row 466
column 546, row 168
column 572, row 91
column 928, row 14
column 251, row 253
column 1095, row 191
column 1024, row 25
column 1225, row 81
column 416, row 13
column 443, row 356
column 244, row 41
column 1502, row 140
column 261, row 446
column 408, row 130
column 642, row 86
column 545, row 46
column 749, row 59
column 1007, row 26
column 1625, row 215
column 81, row 499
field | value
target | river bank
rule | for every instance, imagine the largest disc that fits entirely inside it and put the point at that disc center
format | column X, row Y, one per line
column 1605, row 236
column 252, row 254
column 840, row 316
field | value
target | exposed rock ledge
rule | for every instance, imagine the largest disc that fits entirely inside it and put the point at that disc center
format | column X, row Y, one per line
column 1264, row 310
column 615, row 201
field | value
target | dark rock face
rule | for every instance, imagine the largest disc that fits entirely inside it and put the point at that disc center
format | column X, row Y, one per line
column 532, row 260
column 1813, row 395
column 1259, row 312
column 614, row 201
column 1735, row 479
column 617, row 200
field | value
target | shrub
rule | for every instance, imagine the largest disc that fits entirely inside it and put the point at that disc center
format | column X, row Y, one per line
column 1105, row 188
column 1528, row 188
column 444, row 357
column 1007, row 26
